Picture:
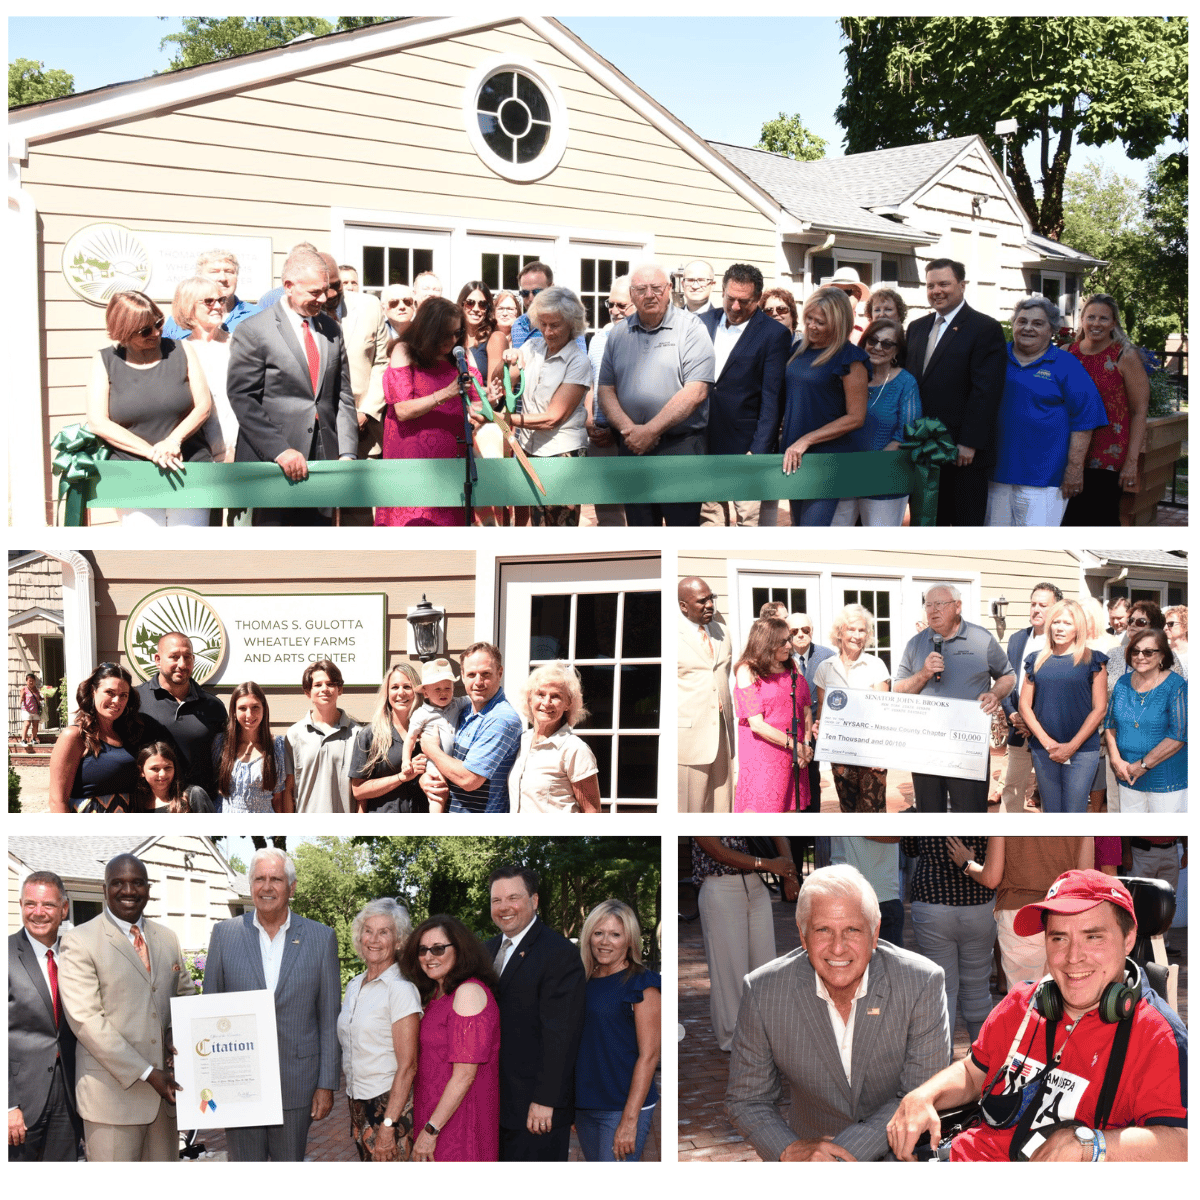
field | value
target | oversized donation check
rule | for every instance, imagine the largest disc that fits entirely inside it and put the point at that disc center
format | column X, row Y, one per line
column 933, row 735
column 227, row 1060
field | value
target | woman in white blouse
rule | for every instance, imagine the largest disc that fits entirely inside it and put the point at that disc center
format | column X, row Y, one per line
column 859, row 789
column 379, row 1029
column 555, row 770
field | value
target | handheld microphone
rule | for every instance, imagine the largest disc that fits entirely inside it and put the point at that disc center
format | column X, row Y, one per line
column 460, row 360
column 937, row 649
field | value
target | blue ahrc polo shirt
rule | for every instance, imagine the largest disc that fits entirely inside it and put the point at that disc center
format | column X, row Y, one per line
column 1043, row 404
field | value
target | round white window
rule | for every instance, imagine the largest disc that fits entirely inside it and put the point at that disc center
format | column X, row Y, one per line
column 516, row 119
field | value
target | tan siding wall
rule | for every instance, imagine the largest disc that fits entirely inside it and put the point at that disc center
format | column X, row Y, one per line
column 36, row 585
column 386, row 133
column 1013, row 576
column 447, row 577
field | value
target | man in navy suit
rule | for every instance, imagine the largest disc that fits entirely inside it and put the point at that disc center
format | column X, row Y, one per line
column 296, row 959
column 807, row 657
column 542, row 997
column 1021, row 645
column 43, row 1125
column 746, row 402
column 958, row 358
column 289, row 384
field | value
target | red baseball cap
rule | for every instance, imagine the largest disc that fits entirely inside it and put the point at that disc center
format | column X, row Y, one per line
column 1073, row 892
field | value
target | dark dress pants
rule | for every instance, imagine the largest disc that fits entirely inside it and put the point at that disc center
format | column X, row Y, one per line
column 53, row 1136
column 654, row 515
column 962, row 494
column 519, row 1145
column 940, row 793
column 274, row 517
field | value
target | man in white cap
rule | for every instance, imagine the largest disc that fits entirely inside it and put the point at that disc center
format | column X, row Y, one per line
column 1086, row 1065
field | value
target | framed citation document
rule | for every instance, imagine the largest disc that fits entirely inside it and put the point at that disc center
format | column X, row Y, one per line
column 227, row 1060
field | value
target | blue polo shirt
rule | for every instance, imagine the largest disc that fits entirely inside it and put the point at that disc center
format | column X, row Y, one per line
column 1043, row 404
column 240, row 311
column 486, row 743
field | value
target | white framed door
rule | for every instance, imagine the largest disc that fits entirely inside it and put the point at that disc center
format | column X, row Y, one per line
column 594, row 266
column 498, row 260
column 799, row 590
column 393, row 254
column 883, row 599
column 604, row 617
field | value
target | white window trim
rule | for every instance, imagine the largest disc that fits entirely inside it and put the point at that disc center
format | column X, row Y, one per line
column 551, row 156
column 563, row 239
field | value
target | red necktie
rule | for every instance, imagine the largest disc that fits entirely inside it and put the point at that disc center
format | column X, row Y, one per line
column 314, row 358
column 52, row 971
column 139, row 944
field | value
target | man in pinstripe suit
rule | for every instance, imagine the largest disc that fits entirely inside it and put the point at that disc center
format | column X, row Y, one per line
column 297, row 959
column 848, row 1020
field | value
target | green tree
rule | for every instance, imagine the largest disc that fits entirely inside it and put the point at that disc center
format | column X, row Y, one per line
column 787, row 135
column 1166, row 262
column 206, row 39
column 30, row 82
column 1091, row 80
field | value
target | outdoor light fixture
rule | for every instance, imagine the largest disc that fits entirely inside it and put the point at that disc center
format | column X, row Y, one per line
column 426, row 631
column 996, row 610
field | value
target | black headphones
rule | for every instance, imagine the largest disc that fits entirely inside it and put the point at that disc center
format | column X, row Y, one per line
column 1117, row 1001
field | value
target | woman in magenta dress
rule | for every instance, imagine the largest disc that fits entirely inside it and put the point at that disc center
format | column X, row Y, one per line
column 762, row 697
column 424, row 416
column 456, row 1096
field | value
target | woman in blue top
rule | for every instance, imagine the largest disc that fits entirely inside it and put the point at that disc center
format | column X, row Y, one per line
column 893, row 400
column 618, row 1054
column 1146, row 728
column 1044, row 426
column 249, row 762
column 826, row 390
column 1062, row 701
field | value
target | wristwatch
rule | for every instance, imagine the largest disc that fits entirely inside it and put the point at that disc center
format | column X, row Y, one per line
column 431, row 1129
column 1092, row 1142
column 387, row 1123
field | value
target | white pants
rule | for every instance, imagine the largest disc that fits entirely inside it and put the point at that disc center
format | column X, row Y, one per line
column 1020, row 957
column 873, row 512
column 1018, row 504
column 162, row 518
column 1133, row 801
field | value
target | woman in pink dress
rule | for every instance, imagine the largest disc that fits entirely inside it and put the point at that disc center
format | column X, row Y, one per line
column 456, row 1097
column 763, row 698
column 424, row 416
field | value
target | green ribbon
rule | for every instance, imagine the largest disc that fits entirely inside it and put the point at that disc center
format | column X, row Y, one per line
column 930, row 447
column 439, row 482
column 75, row 455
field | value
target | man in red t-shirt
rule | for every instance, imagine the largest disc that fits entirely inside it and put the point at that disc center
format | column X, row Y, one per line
column 1089, row 928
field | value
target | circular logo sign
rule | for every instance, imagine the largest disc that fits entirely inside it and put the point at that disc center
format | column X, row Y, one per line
column 175, row 610
column 836, row 699
column 99, row 260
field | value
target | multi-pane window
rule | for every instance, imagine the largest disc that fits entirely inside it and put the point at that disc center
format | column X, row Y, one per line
column 596, row 277
column 514, row 116
column 384, row 265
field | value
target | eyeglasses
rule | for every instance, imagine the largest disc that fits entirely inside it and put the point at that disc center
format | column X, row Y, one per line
column 402, row 302
column 480, row 304
column 525, row 293
column 212, row 301
column 147, row 330
column 506, row 310
column 1144, row 652
column 650, row 289
column 1172, row 624
column 613, row 305
column 778, row 310
column 878, row 344
column 938, row 603
column 1138, row 622
column 697, row 279
column 437, row 949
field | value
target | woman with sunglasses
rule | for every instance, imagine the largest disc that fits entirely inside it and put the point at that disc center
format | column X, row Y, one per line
column 893, row 400
column 1176, row 631
column 399, row 307
column 1146, row 728
column 423, row 418
column 148, row 399
column 456, row 1097
column 780, row 305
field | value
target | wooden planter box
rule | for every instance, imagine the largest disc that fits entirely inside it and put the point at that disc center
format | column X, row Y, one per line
column 1162, row 449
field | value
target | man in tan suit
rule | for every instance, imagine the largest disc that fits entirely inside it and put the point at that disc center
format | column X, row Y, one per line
column 705, row 707
column 116, row 978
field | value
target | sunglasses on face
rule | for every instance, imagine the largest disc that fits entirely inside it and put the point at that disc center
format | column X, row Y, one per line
column 875, row 343
column 480, row 304
column 1172, row 624
column 1147, row 652
column 776, row 311
column 798, row 632
column 1138, row 622
column 213, row 301
column 401, row 303
column 437, row 949
column 147, row 330
column 527, row 292
column 615, row 304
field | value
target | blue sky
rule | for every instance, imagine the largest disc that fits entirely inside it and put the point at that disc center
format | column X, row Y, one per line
column 723, row 77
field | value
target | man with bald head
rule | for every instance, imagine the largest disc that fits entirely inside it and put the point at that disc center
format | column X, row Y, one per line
column 191, row 716
column 698, row 281
column 657, row 368
column 116, row 980
column 706, row 721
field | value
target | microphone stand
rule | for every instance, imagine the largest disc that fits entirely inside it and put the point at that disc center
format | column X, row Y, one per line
column 795, row 743
column 471, row 472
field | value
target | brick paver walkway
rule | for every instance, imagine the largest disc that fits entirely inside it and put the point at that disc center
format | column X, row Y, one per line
column 705, row 1133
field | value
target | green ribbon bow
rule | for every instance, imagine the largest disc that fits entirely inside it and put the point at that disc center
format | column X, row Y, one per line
column 930, row 447
column 76, row 451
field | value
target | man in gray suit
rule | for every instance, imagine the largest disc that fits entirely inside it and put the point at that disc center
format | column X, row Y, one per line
column 289, row 384
column 848, row 1020
column 43, row 1125
column 807, row 657
column 297, row 960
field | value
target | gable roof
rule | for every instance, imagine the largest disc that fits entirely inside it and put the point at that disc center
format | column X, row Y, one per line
column 84, row 858
column 823, row 198
column 1153, row 559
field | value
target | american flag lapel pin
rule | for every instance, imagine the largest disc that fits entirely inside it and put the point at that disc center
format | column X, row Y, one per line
column 872, row 1012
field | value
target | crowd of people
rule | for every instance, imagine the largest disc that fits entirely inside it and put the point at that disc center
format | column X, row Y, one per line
column 168, row 745
column 452, row 1049
column 1081, row 1060
column 1096, row 712
column 321, row 370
